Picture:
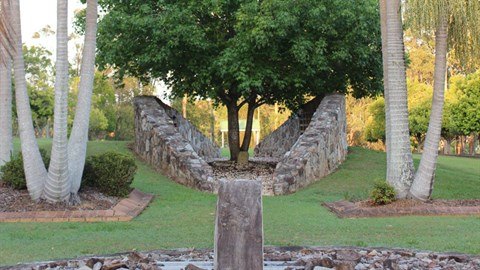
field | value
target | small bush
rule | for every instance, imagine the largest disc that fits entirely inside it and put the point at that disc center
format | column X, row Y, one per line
column 13, row 174
column 382, row 193
column 111, row 172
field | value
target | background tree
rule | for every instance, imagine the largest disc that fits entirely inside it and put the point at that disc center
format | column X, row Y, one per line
column 245, row 52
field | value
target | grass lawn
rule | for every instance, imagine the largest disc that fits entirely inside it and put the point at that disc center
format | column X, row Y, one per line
column 181, row 217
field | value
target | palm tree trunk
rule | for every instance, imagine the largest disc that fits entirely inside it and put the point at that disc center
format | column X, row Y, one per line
column 400, row 163
column 35, row 172
column 6, row 138
column 425, row 177
column 77, row 146
column 57, row 187
column 383, row 27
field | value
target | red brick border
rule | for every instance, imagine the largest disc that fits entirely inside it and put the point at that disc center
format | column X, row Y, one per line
column 125, row 210
column 346, row 209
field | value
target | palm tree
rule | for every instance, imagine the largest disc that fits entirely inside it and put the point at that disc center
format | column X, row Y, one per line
column 383, row 27
column 400, row 163
column 35, row 172
column 57, row 186
column 6, row 140
column 463, row 19
column 77, row 146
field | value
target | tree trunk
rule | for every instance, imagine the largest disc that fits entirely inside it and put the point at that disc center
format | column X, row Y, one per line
column 6, row 138
column 422, row 186
column 233, row 131
column 471, row 144
column 57, row 187
column 459, row 145
column 383, row 27
column 35, row 172
column 448, row 146
column 248, row 128
column 184, row 106
column 77, row 146
column 400, row 163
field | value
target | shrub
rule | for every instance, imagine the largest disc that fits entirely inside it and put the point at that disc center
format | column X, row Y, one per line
column 111, row 173
column 382, row 193
column 12, row 173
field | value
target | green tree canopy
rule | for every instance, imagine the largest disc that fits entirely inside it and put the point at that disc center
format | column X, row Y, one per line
column 245, row 52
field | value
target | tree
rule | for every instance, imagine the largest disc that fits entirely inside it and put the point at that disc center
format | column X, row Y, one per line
column 375, row 128
column 77, row 145
column 57, row 186
column 35, row 172
column 245, row 53
column 6, row 138
column 459, row 21
column 400, row 168
column 419, row 100
column 463, row 101
column 39, row 73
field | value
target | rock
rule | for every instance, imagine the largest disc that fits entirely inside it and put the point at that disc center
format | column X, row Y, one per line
column 373, row 253
column 137, row 257
column 390, row 264
column 348, row 255
column 193, row 267
column 92, row 261
column 84, row 268
column 97, row 266
column 321, row 268
column 421, row 255
column 114, row 265
column 242, row 158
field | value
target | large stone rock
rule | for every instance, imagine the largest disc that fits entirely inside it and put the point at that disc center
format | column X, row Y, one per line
column 238, row 226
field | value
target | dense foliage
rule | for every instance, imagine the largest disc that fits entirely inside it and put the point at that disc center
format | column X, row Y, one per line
column 382, row 193
column 12, row 173
column 245, row 52
column 111, row 172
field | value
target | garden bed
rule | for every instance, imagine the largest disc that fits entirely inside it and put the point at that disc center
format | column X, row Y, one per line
column 12, row 200
column 18, row 207
column 346, row 209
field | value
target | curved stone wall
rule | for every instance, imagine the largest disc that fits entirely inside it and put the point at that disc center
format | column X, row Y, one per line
column 201, row 144
column 162, row 142
column 279, row 142
column 318, row 151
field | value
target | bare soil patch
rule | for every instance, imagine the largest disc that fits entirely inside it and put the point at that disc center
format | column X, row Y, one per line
column 262, row 171
column 346, row 209
column 12, row 200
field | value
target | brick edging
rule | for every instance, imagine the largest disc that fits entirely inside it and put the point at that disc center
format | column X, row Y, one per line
column 125, row 210
column 346, row 209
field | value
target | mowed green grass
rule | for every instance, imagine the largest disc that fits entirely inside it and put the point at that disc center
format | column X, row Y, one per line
column 182, row 217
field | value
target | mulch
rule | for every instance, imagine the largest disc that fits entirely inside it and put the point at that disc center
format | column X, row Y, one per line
column 12, row 200
column 346, row 209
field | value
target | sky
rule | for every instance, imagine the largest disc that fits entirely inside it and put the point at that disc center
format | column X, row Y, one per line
column 36, row 14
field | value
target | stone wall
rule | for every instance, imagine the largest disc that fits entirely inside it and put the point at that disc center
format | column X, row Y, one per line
column 200, row 143
column 279, row 142
column 159, row 142
column 318, row 151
